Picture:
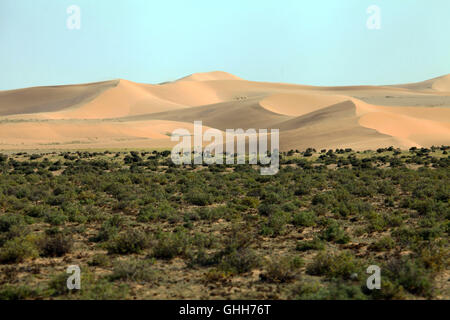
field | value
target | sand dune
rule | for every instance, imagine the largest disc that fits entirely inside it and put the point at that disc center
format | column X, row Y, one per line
column 121, row 113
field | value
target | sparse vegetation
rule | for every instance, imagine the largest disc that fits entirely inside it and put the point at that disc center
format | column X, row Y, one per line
column 135, row 224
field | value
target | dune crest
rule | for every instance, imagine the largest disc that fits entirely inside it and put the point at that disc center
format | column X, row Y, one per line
column 210, row 76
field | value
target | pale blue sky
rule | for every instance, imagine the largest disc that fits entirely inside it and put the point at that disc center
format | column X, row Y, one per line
column 310, row 42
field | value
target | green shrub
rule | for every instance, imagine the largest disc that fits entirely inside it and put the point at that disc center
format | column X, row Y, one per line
column 133, row 241
column 202, row 258
column 17, row 250
column 335, row 233
column 433, row 257
column 334, row 265
column 56, row 245
column 386, row 188
column 405, row 235
column 377, row 222
column 22, row 292
column 147, row 214
column 304, row 219
column 266, row 209
column 99, row 260
column 424, row 207
column 389, row 291
column 302, row 189
column 250, row 202
column 134, row 270
column 102, row 289
column 212, row 214
column 109, row 229
column 198, row 197
column 384, row 244
column 215, row 275
column 55, row 217
column 151, row 213
column 239, row 261
column 10, row 220
column 309, row 290
column 336, row 290
column 240, row 237
column 170, row 245
column 324, row 199
column 394, row 220
column 282, row 270
column 13, row 226
column 275, row 225
column 411, row 275
column 36, row 211
column 315, row 244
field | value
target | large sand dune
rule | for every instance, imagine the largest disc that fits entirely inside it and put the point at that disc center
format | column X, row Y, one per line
column 121, row 113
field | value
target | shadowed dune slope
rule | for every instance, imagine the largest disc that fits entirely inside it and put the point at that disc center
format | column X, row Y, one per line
column 336, row 125
column 333, row 114
column 297, row 104
column 226, row 115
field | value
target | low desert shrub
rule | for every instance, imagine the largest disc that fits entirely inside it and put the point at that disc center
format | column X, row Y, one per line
column 384, row 244
column 55, row 245
column 336, row 290
column 21, row 292
column 133, row 241
column 239, row 261
column 170, row 245
column 282, row 270
column 306, row 245
column 134, row 270
column 275, row 224
column 215, row 275
column 17, row 250
column 335, row 233
column 334, row 265
column 198, row 197
column 304, row 219
column 100, row 260
column 411, row 275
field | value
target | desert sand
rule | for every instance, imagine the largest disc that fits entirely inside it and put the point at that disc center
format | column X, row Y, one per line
column 124, row 114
